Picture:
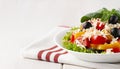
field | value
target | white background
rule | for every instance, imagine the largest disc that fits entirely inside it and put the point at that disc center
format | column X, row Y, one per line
column 24, row 21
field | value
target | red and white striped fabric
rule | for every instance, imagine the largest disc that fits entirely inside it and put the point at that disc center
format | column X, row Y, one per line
column 51, row 54
column 45, row 49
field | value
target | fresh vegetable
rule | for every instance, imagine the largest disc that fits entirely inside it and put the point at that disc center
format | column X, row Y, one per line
column 108, row 46
column 67, row 36
column 98, row 39
column 100, row 26
column 72, row 39
column 104, row 14
column 91, row 15
column 74, row 47
column 115, row 50
column 93, row 46
column 78, row 34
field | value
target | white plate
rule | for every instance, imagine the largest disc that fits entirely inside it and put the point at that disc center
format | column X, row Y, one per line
column 115, row 57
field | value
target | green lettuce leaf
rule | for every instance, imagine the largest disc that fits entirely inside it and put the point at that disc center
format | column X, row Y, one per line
column 103, row 13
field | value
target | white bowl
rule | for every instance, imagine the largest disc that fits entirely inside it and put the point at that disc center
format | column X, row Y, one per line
column 115, row 57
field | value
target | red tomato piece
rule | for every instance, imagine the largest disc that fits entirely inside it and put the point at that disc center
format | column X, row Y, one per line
column 116, row 50
column 72, row 39
column 100, row 26
column 86, row 42
column 98, row 39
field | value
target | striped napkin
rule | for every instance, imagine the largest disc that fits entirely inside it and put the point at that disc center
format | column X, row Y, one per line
column 46, row 56
column 46, row 50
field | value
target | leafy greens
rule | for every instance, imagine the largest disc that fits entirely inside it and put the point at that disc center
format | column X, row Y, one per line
column 104, row 14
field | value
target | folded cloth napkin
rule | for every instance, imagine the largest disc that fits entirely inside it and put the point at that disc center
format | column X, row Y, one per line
column 46, row 50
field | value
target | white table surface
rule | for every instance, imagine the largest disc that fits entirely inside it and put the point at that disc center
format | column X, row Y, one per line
column 25, row 21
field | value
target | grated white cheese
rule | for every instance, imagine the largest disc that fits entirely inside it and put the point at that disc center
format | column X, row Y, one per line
column 79, row 44
column 110, row 26
column 109, row 51
column 114, row 40
column 93, row 31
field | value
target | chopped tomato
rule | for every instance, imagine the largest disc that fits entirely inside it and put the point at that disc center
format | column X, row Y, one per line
column 72, row 39
column 115, row 50
column 98, row 39
column 100, row 26
column 86, row 42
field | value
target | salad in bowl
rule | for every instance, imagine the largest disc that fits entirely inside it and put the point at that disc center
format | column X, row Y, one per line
column 97, row 37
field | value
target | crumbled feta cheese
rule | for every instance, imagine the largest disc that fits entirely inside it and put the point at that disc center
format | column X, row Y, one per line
column 79, row 44
column 114, row 40
column 109, row 51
